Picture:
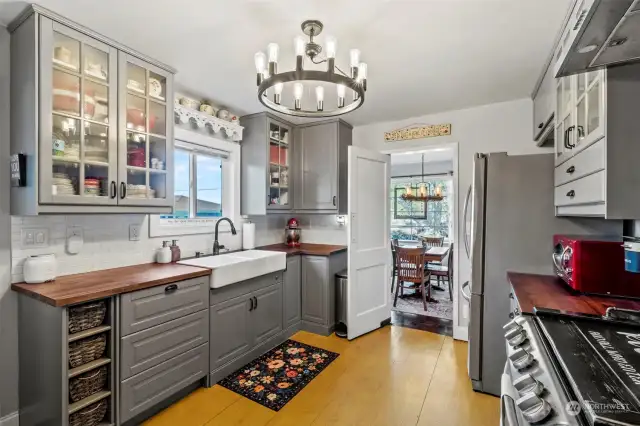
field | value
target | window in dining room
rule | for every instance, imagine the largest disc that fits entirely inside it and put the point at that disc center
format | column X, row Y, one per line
column 412, row 219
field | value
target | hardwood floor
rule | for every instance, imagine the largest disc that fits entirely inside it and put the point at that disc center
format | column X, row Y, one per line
column 393, row 376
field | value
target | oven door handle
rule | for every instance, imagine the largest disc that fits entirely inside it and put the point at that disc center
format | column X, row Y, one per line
column 508, row 415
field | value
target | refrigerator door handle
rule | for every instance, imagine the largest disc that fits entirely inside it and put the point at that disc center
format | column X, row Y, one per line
column 467, row 247
column 466, row 295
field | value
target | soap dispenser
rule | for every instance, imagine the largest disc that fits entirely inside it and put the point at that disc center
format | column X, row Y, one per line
column 164, row 253
column 175, row 251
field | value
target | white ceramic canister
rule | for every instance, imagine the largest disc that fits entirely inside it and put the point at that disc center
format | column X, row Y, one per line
column 40, row 269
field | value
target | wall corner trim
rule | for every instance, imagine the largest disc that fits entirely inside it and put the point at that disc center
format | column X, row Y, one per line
column 12, row 419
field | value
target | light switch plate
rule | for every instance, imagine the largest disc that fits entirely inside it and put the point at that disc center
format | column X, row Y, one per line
column 34, row 237
column 134, row 232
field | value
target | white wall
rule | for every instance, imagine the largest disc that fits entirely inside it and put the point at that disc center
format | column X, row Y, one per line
column 107, row 245
column 436, row 167
column 500, row 127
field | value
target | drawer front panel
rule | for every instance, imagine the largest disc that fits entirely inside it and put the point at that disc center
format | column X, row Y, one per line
column 222, row 294
column 153, row 306
column 148, row 348
column 588, row 190
column 589, row 161
column 146, row 389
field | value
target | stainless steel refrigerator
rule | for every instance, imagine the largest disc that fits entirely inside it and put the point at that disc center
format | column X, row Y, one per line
column 508, row 226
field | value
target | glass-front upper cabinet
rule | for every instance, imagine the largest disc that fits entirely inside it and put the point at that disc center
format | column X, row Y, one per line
column 564, row 117
column 145, row 133
column 590, row 107
column 78, row 105
column 279, row 166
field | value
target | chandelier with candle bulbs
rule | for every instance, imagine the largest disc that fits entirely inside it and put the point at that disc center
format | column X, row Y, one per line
column 423, row 191
column 349, row 87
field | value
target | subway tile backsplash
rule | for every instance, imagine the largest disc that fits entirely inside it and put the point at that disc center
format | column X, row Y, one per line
column 107, row 245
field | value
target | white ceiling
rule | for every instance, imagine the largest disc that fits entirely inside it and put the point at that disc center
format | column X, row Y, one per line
column 430, row 156
column 424, row 56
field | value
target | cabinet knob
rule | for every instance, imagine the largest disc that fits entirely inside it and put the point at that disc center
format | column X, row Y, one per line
column 571, row 169
column 171, row 288
column 511, row 315
column 540, row 126
column 571, row 194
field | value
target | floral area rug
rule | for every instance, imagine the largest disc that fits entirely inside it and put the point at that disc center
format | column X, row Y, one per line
column 277, row 376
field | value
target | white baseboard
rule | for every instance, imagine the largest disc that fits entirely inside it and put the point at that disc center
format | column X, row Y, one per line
column 10, row 420
column 461, row 333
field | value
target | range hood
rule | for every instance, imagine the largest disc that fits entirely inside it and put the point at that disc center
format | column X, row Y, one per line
column 599, row 33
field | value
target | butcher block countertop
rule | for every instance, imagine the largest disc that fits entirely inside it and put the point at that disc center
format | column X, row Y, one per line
column 548, row 291
column 308, row 249
column 78, row 288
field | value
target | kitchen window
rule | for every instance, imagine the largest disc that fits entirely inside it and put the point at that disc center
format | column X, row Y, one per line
column 437, row 217
column 206, row 186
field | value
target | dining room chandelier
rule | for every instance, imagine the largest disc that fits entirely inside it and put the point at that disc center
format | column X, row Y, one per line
column 271, row 83
column 423, row 191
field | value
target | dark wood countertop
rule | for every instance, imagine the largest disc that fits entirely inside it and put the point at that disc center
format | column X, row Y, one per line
column 308, row 249
column 548, row 291
column 78, row 288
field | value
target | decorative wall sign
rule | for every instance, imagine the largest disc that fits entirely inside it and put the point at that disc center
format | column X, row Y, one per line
column 409, row 133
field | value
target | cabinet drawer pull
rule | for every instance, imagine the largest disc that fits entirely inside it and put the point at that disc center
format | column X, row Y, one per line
column 334, row 201
column 571, row 169
column 540, row 125
column 251, row 308
column 571, row 194
column 113, row 189
column 256, row 299
column 171, row 288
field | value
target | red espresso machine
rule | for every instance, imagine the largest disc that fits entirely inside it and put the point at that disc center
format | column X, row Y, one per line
column 292, row 233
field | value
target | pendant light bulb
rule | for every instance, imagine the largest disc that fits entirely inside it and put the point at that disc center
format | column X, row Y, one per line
column 362, row 71
column 273, row 50
column 331, row 46
column 261, row 61
column 354, row 54
column 341, row 89
column 320, row 98
column 298, row 46
column 298, row 89
column 278, row 88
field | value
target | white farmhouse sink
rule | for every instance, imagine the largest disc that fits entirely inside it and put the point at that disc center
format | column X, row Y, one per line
column 235, row 267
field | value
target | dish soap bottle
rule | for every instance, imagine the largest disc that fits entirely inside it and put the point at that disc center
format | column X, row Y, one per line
column 164, row 254
column 175, row 251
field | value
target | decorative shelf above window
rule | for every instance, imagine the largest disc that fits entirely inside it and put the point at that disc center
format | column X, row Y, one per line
column 202, row 120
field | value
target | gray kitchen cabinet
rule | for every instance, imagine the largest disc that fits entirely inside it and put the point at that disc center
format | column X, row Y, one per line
column 146, row 390
column 266, row 156
column 292, row 293
column 266, row 316
column 76, row 114
column 230, row 328
column 320, row 171
column 544, row 108
column 596, row 172
column 315, row 278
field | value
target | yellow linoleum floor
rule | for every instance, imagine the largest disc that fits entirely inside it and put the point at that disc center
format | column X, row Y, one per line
column 393, row 376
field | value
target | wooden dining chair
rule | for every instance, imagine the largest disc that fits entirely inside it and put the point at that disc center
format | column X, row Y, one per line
column 444, row 271
column 410, row 266
column 394, row 270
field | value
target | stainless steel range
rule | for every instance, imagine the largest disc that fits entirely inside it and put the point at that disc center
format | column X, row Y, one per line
column 566, row 369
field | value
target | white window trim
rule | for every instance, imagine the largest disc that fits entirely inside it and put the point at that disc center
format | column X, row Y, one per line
column 230, row 189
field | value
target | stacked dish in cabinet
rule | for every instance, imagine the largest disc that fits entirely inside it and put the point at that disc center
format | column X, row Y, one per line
column 90, row 369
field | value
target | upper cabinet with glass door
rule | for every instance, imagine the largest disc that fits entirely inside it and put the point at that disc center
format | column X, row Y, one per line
column 92, row 119
column 279, row 165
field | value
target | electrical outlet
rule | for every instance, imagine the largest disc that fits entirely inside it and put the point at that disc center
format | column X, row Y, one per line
column 35, row 237
column 134, row 232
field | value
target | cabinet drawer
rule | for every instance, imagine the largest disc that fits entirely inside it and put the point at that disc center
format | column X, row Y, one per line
column 146, row 389
column 146, row 308
column 148, row 348
column 588, row 190
column 584, row 163
column 231, row 291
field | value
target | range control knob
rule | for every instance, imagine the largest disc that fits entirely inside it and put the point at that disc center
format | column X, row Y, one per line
column 516, row 336
column 521, row 359
column 528, row 383
column 515, row 324
column 534, row 409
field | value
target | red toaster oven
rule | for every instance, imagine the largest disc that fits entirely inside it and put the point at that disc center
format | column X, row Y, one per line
column 594, row 265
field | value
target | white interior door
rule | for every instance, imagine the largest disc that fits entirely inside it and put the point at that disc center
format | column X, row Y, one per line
column 368, row 290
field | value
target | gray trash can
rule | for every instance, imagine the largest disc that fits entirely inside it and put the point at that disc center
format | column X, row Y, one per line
column 341, row 303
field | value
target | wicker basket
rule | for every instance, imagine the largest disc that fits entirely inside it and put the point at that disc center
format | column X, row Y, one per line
column 90, row 416
column 87, row 384
column 87, row 350
column 86, row 316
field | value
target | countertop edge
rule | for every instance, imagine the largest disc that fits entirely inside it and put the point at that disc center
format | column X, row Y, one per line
column 89, row 295
column 319, row 249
